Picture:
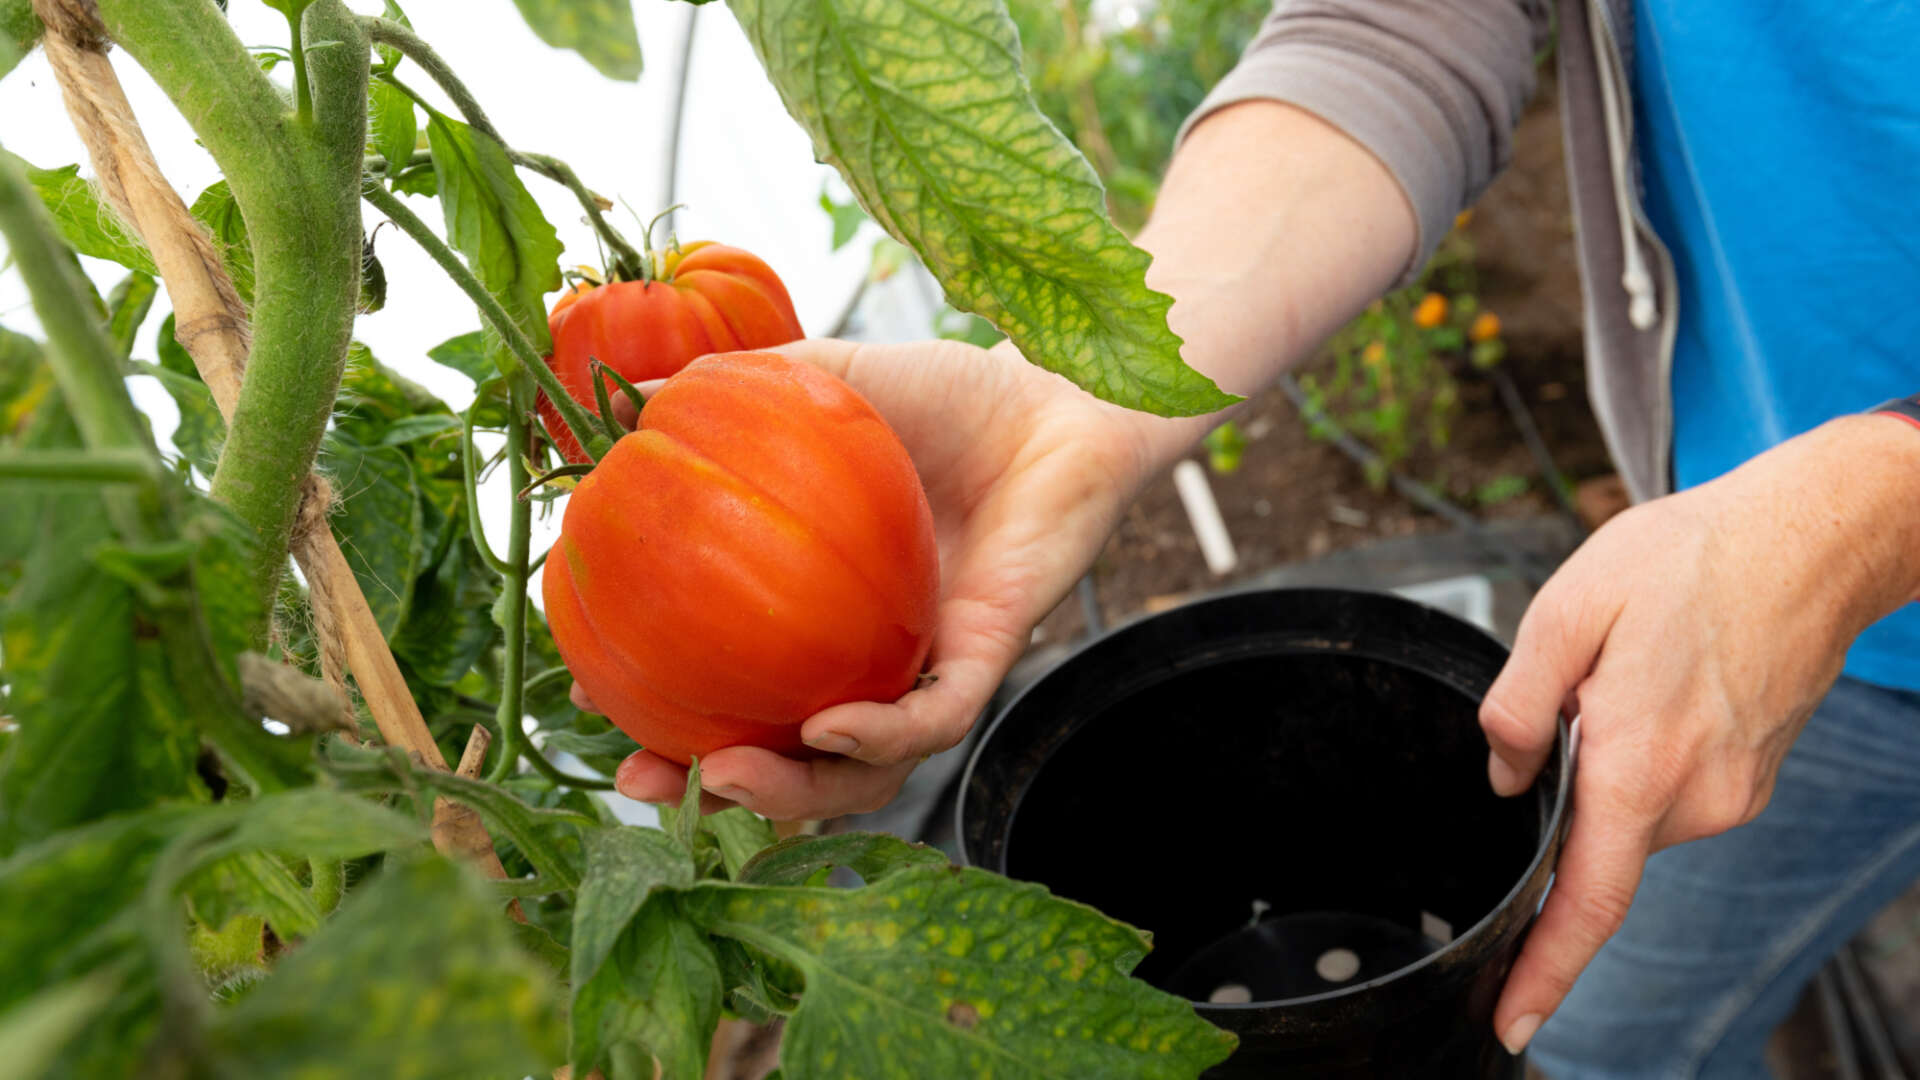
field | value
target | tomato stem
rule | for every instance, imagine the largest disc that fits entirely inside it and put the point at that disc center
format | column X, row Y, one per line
column 550, row 476
column 512, row 712
column 632, row 392
column 577, row 419
column 470, row 472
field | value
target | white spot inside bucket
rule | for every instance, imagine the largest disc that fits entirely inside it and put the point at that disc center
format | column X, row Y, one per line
column 1230, row 994
column 1337, row 965
column 1435, row 929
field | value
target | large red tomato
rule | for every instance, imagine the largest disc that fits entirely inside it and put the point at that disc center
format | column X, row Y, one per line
column 759, row 549
column 707, row 298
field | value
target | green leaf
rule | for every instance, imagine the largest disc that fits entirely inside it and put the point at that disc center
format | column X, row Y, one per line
column 84, row 220
column 492, row 220
column 59, row 898
column 847, row 219
column 33, row 1032
column 624, row 866
column 390, row 56
column 601, row 31
column 607, row 742
column 102, row 726
column 741, row 834
column 450, row 622
column 874, row 856
column 417, row 976
column 466, row 354
column 201, row 431
column 391, row 123
column 253, row 883
column 217, row 210
column 958, row 972
column 660, row 987
column 379, row 524
column 127, row 308
column 687, row 823
column 373, row 770
column 417, row 180
column 924, row 110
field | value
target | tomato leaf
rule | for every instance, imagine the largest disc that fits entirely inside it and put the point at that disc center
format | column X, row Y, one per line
column 924, row 110
column 33, row 1033
column 416, row 976
column 641, row 971
column 391, row 124
column 624, row 866
column 83, row 218
column 102, row 725
column 127, row 308
column 390, row 56
column 958, row 972
column 379, row 523
column 450, row 623
column 607, row 742
column 494, row 222
column 216, row 209
column 741, row 834
column 465, row 354
column 601, row 31
column 659, row 987
column 873, row 856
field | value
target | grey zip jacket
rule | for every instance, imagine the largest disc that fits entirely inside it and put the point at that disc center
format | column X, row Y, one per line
column 1434, row 88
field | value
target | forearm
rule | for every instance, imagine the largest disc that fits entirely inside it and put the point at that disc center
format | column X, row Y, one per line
column 1271, row 231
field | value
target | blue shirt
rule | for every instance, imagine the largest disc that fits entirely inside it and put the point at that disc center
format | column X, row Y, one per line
column 1780, row 151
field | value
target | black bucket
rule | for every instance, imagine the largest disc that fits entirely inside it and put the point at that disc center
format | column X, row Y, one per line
column 1288, row 788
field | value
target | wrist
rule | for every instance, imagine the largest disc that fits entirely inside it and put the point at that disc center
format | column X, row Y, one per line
column 1868, row 469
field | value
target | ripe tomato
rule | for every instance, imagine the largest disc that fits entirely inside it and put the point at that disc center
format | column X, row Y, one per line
column 707, row 298
column 759, row 549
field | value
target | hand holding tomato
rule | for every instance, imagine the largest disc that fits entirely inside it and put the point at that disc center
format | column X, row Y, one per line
column 1026, row 476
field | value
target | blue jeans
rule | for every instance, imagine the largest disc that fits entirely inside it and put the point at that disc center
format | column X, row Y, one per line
column 1725, row 933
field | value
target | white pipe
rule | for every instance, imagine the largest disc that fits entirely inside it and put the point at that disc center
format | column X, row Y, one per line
column 1190, row 480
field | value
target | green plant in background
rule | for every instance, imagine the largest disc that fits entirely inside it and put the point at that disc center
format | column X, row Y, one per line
column 202, row 876
column 1393, row 380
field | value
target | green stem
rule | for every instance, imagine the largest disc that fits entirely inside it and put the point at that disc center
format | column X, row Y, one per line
column 547, row 678
column 329, row 883
column 470, row 471
column 415, row 48
column 577, row 419
column 78, row 466
column 297, row 186
column 628, row 264
column 512, row 714
column 302, row 93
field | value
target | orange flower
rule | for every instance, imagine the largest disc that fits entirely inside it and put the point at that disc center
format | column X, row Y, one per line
column 1486, row 327
column 1431, row 312
column 1374, row 354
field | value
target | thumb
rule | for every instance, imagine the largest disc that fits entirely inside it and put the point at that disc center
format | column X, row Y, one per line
column 1554, row 651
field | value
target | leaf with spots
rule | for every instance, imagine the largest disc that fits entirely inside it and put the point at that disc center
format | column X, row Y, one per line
column 924, row 110
column 417, row 976
column 601, row 31
column 958, row 972
column 871, row 855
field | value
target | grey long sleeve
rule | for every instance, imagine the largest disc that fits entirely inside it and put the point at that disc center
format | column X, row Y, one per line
column 1433, row 88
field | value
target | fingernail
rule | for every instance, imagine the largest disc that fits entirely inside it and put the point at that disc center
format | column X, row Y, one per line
column 834, row 743
column 731, row 793
column 1520, row 1033
column 1505, row 780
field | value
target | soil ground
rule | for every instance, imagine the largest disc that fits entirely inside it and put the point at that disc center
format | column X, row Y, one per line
column 1294, row 499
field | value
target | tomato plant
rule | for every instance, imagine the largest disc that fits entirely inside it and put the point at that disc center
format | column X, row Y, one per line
column 261, row 823
column 779, row 533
